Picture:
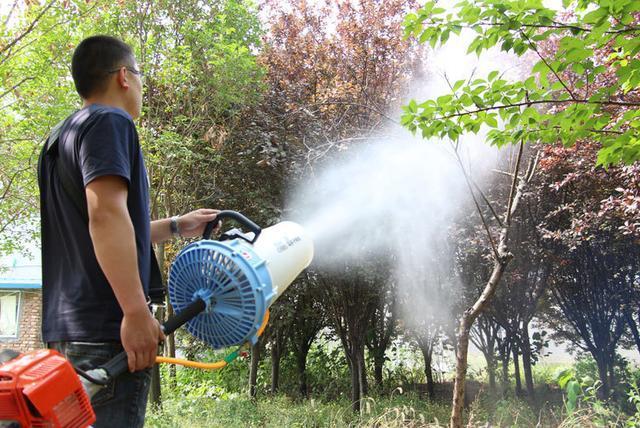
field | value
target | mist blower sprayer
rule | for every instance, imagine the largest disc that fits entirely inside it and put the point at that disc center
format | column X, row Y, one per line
column 221, row 289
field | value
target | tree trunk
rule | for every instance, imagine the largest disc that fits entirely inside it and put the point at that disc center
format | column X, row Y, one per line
column 362, row 374
column 355, row 385
column 155, row 388
column 170, row 347
column 612, row 377
column 505, row 374
column 610, row 361
column 491, row 371
column 516, row 370
column 427, row 354
column 461, row 373
column 505, row 358
column 378, row 365
column 634, row 329
column 355, row 358
column 501, row 259
column 526, row 361
column 431, row 385
column 464, row 330
column 253, row 372
column 301, row 364
column 603, row 374
column 275, row 369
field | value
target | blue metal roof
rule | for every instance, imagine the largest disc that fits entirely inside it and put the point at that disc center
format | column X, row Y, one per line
column 20, row 285
column 20, row 272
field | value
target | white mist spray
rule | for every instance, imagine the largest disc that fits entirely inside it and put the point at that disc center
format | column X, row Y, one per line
column 394, row 196
column 398, row 194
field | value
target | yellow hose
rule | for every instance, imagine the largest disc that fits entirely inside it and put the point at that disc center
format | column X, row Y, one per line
column 264, row 322
column 218, row 364
column 195, row 364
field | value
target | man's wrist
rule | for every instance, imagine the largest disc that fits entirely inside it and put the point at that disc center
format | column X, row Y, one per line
column 174, row 226
column 135, row 307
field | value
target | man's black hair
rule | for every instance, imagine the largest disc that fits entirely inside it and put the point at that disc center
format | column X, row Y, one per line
column 94, row 58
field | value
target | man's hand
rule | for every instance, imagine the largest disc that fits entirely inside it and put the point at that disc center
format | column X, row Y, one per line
column 193, row 223
column 140, row 334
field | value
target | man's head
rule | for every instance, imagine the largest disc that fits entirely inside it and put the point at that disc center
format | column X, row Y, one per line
column 105, row 67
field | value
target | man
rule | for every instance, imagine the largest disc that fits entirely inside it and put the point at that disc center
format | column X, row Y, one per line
column 96, row 244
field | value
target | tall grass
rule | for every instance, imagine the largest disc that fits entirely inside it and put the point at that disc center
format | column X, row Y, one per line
column 282, row 411
column 217, row 399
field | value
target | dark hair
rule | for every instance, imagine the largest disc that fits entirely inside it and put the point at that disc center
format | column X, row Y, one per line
column 92, row 60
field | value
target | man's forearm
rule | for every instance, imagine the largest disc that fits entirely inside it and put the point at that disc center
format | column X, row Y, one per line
column 189, row 225
column 161, row 230
column 113, row 239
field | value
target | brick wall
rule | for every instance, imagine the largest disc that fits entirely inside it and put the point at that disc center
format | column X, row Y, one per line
column 29, row 336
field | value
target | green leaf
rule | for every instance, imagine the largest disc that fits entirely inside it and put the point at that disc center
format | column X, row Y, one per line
column 531, row 83
column 406, row 119
column 457, row 85
column 540, row 67
column 491, row 121
column 444, row 100
column 413, row 106
column 596, row 16
column 575, row 55
column 477, row 101
column 574, row 390
column 563, row 376
column 426, row 34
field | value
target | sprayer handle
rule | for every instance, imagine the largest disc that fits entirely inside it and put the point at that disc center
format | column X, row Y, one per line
column 234, row 215
column 120, row 364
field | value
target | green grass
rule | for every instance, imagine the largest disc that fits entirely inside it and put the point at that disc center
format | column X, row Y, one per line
column 281, row 411
column 220, row 399
column 398, row 410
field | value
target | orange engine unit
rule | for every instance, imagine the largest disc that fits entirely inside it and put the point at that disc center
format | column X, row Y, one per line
column 41, row 389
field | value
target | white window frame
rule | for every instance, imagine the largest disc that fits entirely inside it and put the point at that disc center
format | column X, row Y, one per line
column 18, row 295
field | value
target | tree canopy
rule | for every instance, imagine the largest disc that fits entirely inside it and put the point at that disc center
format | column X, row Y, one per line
column 585, row 66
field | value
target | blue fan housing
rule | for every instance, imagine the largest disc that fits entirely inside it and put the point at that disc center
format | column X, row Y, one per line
column 234, row 283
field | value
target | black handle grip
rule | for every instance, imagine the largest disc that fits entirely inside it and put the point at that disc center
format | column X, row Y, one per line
column 185, row 315
column 116, row 366
column 120, row 364
column 235, row 216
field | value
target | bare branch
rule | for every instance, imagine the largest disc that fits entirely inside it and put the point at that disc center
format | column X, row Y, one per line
column 13, row 7
column 14, row 87
column 475, row 201
column 365, row 106
column 529, row 103
column 514, row 183
column 469, row 180
column 28, row 29
column 46, row 30
column 531, row 169
column 508, row 174
column 533, row 47
column 555, row 26
column 489, row 204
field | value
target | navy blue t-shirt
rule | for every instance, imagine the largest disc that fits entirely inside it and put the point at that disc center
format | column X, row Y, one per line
column 78, row 302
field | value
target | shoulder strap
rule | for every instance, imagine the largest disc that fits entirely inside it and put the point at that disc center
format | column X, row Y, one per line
column 157, row 290
column 51, row 148
column 70, row 186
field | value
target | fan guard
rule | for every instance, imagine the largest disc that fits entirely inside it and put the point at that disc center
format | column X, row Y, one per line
column 234, row 283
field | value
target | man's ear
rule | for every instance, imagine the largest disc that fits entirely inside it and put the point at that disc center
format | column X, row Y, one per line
column 121, row 77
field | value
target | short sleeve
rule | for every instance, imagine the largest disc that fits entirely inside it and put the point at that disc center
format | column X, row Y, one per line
column 108, row 148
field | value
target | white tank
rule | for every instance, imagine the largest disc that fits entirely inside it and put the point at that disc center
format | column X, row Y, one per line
column 287, row 250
